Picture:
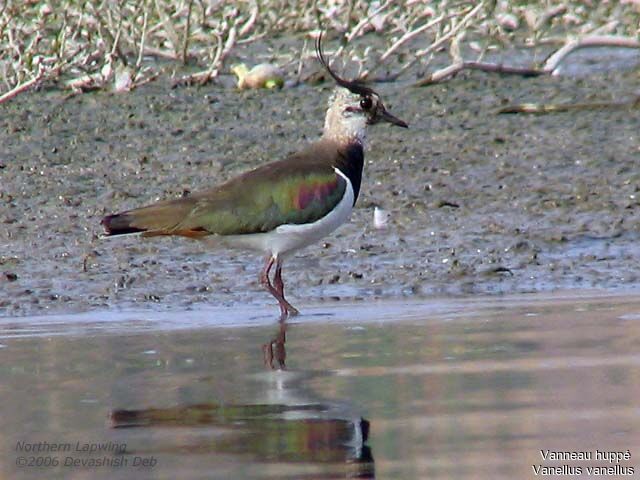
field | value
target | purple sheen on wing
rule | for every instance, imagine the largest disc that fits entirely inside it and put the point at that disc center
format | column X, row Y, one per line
column 317, row 191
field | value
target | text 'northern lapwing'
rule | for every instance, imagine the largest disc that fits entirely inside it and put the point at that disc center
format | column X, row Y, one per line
column 282, row 206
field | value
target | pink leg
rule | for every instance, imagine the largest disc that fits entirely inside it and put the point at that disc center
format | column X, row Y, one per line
column 279, row 284
column 286, row 309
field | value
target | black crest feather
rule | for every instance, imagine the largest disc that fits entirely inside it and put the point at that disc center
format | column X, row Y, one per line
column 354, row 86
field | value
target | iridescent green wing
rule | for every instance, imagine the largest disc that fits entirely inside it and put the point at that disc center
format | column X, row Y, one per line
column 263, row 199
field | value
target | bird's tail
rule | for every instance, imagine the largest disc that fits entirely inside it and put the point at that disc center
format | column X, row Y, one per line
column 162, row 218
column 121, row 224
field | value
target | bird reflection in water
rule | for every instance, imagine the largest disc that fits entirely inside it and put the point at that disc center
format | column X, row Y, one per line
column 275, row 348
column 290, row 424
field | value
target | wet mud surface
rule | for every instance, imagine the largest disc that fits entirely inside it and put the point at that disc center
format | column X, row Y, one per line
column 479, row 202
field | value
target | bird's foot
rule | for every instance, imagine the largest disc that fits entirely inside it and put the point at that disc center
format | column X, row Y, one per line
column 287, row 310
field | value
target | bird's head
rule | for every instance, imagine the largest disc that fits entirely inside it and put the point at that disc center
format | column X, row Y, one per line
column 353, row 105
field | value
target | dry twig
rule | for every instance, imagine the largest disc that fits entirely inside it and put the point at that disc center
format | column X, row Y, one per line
column 82, row 43
column 553, row 62
column 23, row 87
column 566, row 107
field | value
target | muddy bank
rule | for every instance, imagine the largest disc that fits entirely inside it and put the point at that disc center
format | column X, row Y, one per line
column 479, row 203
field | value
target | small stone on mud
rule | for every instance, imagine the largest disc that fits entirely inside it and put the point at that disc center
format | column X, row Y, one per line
column 499, row 271
column 446, row 203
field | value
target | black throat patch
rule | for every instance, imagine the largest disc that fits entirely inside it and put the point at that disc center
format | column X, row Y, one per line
column 350, row 161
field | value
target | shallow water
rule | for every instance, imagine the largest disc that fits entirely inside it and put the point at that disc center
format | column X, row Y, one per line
column 452, row 388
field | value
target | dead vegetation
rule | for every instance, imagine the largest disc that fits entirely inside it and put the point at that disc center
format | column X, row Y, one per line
column 121, row 44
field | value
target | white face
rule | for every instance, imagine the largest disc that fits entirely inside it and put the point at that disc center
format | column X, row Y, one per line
column 359, row 106
column 349, row 114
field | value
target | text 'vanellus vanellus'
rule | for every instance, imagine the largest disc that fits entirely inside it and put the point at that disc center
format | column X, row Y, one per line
column 282, row 206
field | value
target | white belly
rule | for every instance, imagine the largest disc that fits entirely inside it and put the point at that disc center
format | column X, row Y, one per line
column 289, row 237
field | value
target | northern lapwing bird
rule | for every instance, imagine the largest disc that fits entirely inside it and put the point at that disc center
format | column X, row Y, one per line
column 282, row 206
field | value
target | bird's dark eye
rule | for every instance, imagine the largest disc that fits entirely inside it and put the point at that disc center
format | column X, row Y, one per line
column 366, row 103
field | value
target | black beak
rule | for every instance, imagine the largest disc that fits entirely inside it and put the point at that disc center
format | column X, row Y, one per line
column 387, row 117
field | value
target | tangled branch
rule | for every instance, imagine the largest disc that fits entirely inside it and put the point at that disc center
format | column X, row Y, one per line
column 88, row 44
